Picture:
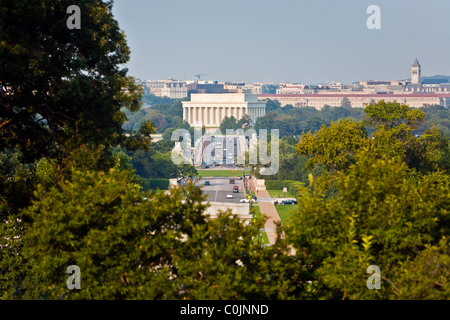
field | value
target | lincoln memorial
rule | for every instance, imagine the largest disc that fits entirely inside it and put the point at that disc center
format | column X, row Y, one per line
column 209, row 109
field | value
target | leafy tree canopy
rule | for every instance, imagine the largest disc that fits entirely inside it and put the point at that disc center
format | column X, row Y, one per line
column 335, row 146
column 61, row 87
column 381, row 216
column 161, row 247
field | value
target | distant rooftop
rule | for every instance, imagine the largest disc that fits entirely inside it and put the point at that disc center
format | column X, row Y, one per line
column 353, row 95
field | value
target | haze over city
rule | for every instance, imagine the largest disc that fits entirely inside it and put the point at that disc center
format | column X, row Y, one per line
column 276, row 41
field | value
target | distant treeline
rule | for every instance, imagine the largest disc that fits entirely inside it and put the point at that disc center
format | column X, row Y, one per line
column 167, row 114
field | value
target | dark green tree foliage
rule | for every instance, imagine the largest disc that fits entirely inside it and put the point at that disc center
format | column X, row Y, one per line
column 296, row 120
column 153, row 164
column 382, row 216
column 185, row 125
column 228, row 123
column 426, row 276
column 163, row 116
column 232, row 123
column 60, row 100
column 163, row 146
column 16, row 185
column 439, row 116
column 173, row 110
column 155, row 184
column 159, row 248
column 346, row 103
column 334, row 146
column 272, row 105
column 389, row 208
column 187, row 171
column 151, row 99
column 223, row 261
column 61, row 87
column 122, row 243
column 394, row 136
column 16, row 180
column 291, row 164
column 275, row 184
column 393, row 114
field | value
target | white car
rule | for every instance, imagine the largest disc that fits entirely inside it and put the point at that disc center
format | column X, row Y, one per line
column 245, row 200
column 229, row 196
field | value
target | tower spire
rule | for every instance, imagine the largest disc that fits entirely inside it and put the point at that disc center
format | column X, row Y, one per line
column 415, row 72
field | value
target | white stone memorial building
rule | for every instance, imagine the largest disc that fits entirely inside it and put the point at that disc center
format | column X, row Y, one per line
column 209, row 109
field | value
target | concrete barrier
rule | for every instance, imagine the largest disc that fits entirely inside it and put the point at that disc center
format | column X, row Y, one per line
column 242, row 210
column 173, row 183
column 260, row 184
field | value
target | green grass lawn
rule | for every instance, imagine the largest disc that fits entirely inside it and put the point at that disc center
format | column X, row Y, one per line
column 221, row 173
column 280, row 194
column 284, row 211
column 265, row 239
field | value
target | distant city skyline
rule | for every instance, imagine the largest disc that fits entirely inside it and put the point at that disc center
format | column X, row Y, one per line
column 285, row 40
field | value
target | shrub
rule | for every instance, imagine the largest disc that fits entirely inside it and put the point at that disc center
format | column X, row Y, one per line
column 162, row 184
column 274, row 184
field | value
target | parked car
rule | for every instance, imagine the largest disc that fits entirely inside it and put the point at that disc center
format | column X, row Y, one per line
column 239, row 178
column 207, row 183
column 229, row 196
column 235, row 189
column 232, row 181
column 289, row 202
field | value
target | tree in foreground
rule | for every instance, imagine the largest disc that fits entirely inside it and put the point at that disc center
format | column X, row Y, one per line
column 337, row 145
column 128, row 247
column 61, row 92
column 62, row 88
column 334, row 146
column 382, row 215
column 389, row 208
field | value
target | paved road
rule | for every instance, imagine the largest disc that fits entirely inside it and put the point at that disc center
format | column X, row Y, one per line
column 225, row 151
column 220, row 187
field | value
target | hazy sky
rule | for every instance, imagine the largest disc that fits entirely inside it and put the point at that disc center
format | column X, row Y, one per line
column 284, row 40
